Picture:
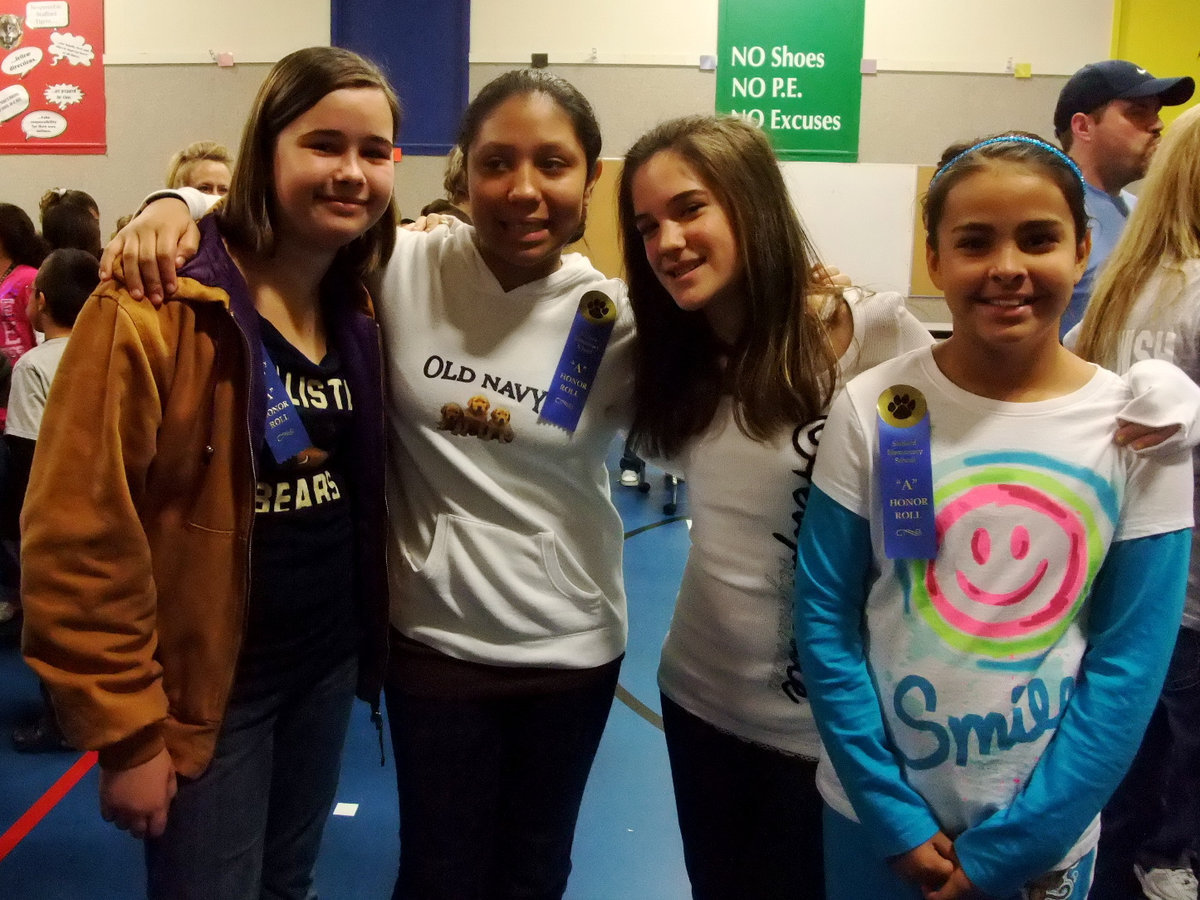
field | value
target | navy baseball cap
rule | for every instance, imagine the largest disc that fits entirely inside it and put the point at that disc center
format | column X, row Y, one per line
column 1115, row 79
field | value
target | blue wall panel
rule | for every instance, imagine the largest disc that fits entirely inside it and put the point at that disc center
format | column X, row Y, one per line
column 423, row 46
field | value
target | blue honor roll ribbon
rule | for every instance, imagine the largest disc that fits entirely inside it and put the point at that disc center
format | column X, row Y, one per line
column 906, row 474
column 580, row 360
column 285, row 434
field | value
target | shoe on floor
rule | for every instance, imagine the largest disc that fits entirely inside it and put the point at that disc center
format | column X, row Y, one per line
column 40, row 736
column 1167, row 884
column 630, row 477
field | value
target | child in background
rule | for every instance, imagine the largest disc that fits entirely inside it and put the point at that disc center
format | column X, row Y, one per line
column 736, row 359
column 981, row 686
column 1147, row 306
column 21, row 252
column 68, row 197
column 203, row 548
column 71, row 219
column 63, row 283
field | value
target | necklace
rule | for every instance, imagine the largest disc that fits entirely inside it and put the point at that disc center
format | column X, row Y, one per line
column 8, row 271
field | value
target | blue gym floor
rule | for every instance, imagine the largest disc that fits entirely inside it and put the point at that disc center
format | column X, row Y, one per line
column 626, row 844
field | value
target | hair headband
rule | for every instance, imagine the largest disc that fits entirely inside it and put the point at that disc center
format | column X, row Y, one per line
column 1011, row 139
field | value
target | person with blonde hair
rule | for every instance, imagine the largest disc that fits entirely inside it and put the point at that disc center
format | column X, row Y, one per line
column 205, row 165
column 1147, row 305
column 456, row 203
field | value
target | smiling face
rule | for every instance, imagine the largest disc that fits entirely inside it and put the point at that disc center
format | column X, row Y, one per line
column 689, row 240
column 333, row 169
column 1006, row 256
column 1013, row 561
column 528, row 185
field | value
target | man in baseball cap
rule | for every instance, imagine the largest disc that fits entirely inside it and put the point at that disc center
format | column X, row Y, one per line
column 1107, row 121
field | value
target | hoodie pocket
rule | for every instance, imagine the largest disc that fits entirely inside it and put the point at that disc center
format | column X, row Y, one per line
column 495, row 580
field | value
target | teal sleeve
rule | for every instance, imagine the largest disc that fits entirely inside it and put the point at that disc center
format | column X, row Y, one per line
column 833, row 576
column 1134, row 610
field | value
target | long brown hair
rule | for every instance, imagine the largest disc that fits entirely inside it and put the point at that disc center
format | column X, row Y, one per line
column 780, row 370
column 1163, row 229
column 293, row 86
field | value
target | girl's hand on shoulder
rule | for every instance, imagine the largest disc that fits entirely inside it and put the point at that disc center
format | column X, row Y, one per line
column 137, row 799
column 929, row 865
column 145, row 253
column 820, row 276
column 1143, row 437
column 1163, row 415
column 429, row 222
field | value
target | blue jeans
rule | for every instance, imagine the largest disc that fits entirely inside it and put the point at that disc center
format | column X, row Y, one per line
column 490, row 789
column 1154, row 816
column 750, row 816
column 853, row 873
column 250, row 826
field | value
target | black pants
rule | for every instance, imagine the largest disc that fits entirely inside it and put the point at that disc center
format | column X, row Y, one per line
column 490, row 789
column 750, row 816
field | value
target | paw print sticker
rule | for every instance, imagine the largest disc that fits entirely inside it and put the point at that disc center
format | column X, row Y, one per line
column 597, row 308
column 901, row 406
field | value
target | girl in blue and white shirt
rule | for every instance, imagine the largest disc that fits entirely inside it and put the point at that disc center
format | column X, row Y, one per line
column 977, row 707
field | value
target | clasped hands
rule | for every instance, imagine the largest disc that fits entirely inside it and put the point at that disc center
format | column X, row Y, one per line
column 934, row 867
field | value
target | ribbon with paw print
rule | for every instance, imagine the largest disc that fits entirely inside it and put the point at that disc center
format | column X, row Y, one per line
column 580, row 360
column 906, row 474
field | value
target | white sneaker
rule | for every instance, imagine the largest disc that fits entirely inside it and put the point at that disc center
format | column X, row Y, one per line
column 1167, row 884
column 630, row 478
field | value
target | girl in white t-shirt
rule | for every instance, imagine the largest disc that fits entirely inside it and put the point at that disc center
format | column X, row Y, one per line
column 737, row 358
column 988, row 586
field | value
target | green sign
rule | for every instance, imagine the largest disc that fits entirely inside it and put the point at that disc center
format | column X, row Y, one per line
column 793, row 67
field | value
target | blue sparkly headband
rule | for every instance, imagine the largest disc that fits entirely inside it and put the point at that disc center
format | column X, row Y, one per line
column 1011, row 139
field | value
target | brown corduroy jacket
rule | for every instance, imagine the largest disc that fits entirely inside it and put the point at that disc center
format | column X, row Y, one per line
column 137, row 522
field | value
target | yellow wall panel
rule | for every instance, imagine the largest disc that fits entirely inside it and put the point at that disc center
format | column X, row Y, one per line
column 1161, row 35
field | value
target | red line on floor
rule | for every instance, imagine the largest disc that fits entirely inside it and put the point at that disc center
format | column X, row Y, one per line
column 45, row 803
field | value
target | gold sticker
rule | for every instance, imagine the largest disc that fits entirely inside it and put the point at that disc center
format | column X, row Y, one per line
column 597, row 309
column 902, row 406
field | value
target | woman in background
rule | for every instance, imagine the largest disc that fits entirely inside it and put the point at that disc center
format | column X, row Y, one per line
column 1146, row 305
column 203, row 165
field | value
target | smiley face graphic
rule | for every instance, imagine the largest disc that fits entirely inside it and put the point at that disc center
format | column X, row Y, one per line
column 1017, row 552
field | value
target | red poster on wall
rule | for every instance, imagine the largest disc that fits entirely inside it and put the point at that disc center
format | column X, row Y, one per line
column 52, row 76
